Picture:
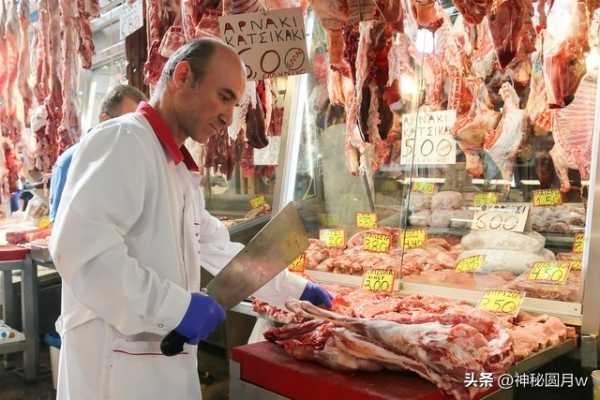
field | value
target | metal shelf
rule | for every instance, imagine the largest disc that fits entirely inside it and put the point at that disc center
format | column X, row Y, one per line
column 14, row 345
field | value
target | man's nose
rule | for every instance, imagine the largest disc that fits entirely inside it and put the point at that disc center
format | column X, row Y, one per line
column 227, row 117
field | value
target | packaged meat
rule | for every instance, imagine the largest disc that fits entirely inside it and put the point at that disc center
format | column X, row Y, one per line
column 446, row 201
column 461, row 219
column 570, row 291
column 419, row 202
column 514, row 261
column 531, row 242
column 440, row 218
column 564, row 218
column 420, row 218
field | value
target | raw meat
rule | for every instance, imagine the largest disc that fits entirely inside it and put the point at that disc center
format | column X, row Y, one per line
column 565, row 218
column 86, row 9
column 426, row 14
column 419, row 201
column 156, row 24
column 473, row 11
column 24, row 60
column 572, row 130
column 540, row 117
column 461, row 219
column 505, row 22
column 504, row 142
column 420, row 218
column 318, row 252
column 531, row 241
column 570, row 291
column 565, row 42
column 440, row 218
column 514, row 261
column 446, row 200
column 472, row 281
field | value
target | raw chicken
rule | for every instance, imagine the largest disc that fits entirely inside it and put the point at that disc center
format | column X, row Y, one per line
column 514, row 261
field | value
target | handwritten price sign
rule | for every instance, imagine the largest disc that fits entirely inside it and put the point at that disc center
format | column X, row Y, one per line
column 501, row 302
column 378, row 280
column 575, row 265
column 413, row 238
column 426, row 138
column 423, row 187
column 366, row 220
column 333, row 237
column 298, row 264
column 554, row 272
column 470, row 264
column 271, row 43
column 257, row 201
column 497, row 217
column 377, row 242
column 578, row 243
column 487, row 198
column 547, row 197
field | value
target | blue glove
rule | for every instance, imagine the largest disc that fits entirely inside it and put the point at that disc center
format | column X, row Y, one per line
column 316, row 295
column 202, row 317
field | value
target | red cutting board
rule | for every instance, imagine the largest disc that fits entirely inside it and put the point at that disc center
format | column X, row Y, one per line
column 267, row 365
column 12, row 253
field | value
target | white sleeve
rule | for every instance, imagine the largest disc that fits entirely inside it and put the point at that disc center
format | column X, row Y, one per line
column 216, row 250
column 104, row 197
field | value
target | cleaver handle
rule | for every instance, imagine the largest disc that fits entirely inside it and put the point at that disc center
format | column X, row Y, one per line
column 172, row 344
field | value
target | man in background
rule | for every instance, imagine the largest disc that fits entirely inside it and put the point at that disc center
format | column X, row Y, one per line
column 122, row 99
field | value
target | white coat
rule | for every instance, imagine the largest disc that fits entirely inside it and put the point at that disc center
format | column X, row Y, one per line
column 130, row 236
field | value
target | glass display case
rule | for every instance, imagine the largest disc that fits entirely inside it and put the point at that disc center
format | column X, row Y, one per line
column 458, row 175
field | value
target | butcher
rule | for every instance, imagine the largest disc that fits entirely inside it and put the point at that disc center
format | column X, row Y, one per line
column 119, row 100
column 133, row 231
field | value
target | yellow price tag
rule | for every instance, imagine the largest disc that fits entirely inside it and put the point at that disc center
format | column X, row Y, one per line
column 578, row 243
column 333, row 237
column 501, row 301
column 555, row 272
column 378, row 280
column 257, row 201
column 330, row 220
column 377, row 242
column 575, row 265
column 298, row 264
column 44, row 222
column 470, row 264
column 414, row 238
column 481, row 199
column 547, row 197
column 366, row 220
column 423, row 187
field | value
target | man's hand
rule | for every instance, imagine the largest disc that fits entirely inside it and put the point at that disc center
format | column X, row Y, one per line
column 202, row 317
column 316, row 295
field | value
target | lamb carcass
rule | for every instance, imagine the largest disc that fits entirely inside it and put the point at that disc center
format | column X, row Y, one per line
column 565, row 42
column 505, row 22
column 473, row 11
column 502, row 144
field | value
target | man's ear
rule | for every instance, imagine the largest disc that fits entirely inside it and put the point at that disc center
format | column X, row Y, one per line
column 182, row 73
column 104, row 117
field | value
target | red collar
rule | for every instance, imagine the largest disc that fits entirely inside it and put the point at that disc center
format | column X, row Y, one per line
column 164, row 135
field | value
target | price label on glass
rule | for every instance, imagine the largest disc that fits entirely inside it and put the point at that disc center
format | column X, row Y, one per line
column 377, row 242
column 555, row 272
column 487, row 198
column 333, row 237
column 499, row 217
column 413, row 238
column 578, row 243
column 423, row 187
column 501, row 301
column 257, row 201
column 298, row 264
column 366, row 220
column 470, row 264
column 43, row 222
column 330, row 220
column 575, row 265
column 378, row 280
column 547, row 197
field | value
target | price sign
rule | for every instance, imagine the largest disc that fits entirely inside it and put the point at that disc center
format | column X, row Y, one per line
column 377, row 242
column 427, row 138
column 487, row 198
column 575, row 265
column 423, row 187
column 499, row 217
column 501, row 302
column 329, row 219
column 413, row 238
column 378, row 280
column 333, row 237
column 257, row 201
column 366, row 220
column 578, row 243
column 470, row 264
column 271, row 43
column 547, row 197
column 555, row 272
column 43, row 222
column 298, row 264
column 131, row 18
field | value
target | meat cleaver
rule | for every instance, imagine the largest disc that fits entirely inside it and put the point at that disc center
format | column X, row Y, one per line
column 268, row 253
